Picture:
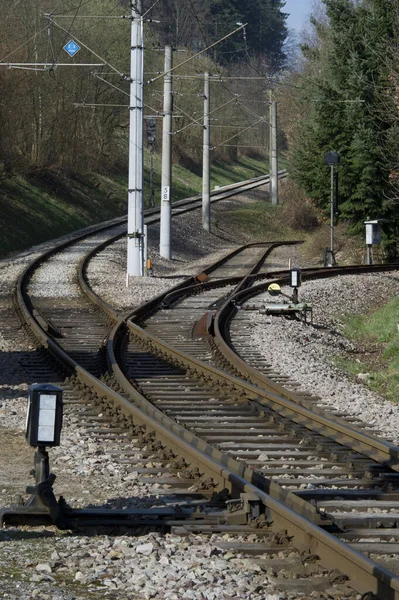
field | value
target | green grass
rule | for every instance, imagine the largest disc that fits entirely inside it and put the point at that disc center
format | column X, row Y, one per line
column 350, row 366
column 49, row 204
column 189, row 182
column 263, row 221
column 377, row 334
column 37, row 209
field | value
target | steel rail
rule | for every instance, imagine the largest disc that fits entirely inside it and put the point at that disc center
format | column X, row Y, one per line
column 332, row 427
column 366, row 575
column 349, row 436
column 192, row 284
column 182, row 291
column 200, row 453
column 369, row 576
column 281, row 400
column 223, row 192
column 307, row 535
column 309, row 273
column 285, row 512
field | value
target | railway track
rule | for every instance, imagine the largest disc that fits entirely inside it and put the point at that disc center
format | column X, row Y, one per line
column 175, row 394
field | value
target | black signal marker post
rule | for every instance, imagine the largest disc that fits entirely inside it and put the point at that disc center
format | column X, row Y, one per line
column 151, row 139
column 295, row 283
column 43, row 429
column 332, row 159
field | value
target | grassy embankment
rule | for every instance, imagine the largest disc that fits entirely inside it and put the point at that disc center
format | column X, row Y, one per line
column 48, row 205
column 377, row 338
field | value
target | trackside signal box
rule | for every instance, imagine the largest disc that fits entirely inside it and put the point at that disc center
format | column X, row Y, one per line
column 373, row 236
column 44, row 416
column 373, row 232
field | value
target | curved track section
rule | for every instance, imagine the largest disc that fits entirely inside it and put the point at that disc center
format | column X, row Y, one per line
column 158, row 378
column 339, row 456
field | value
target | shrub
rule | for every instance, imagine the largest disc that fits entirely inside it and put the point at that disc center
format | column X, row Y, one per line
column 297, row 211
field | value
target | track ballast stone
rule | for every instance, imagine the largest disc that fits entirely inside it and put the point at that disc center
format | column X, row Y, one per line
column 46, row 564
column 305, row 351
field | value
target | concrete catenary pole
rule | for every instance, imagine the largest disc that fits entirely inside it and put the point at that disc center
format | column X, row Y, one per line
column 135, row 226
column 166, row 182
column 206, row 162
column 273, row 153
column 332, row 217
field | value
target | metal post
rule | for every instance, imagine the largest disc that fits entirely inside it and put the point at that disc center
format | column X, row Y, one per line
column 206, row 183
column 42, row 465
column 274, row 155
column 136, row 156
column 332, row 217
column 145, row 250
column 270, row 145
column 369, row 260
column 166, row 211
column 152, row 203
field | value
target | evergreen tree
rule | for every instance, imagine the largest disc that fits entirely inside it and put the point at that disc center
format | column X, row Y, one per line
column 349, row 107
column 267, row 30
column 265, row 33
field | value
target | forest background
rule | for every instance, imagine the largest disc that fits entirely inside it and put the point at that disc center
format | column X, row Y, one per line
column 340, row 92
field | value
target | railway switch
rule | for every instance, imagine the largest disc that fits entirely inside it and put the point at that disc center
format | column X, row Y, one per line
column 248, row 507
column 293, row 307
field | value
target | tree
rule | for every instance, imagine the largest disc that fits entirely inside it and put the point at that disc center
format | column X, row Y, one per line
column 265, row 33
column 184, row 23
column 345, row 84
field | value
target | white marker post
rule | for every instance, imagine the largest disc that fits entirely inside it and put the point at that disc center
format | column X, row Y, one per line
column 166, row 183
column 206, row 184
column 135, row 222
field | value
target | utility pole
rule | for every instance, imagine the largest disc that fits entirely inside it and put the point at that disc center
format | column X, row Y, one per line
column 151, row 139
column 273, row 152
column 332, row 159
column 135, row 226
column 166, row 182
column 206, row 183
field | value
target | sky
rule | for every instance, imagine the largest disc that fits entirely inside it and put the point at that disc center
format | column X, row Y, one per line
column 299, row 10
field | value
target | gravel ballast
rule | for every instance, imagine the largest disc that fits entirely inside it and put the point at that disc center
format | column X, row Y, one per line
column 305, row 352
column 46, row 564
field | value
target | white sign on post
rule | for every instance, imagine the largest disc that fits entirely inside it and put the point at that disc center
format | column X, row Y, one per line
column 166, row 193
column 369, row 234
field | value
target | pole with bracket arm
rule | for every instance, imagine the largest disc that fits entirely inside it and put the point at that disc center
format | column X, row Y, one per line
column 166, row 183
column 332, row 159
column 206, row 184
column 273, row 152
column 135, row 226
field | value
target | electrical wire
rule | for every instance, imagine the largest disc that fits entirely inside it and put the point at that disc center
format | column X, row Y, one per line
column 201, row 24
column 81, row 4
column 236, row 135
column 195, row 55
column 106, row 63
column 24, row 44
column 104, row 17
column 210, row 113
column 150, row 9
column 238, row 104
column 111, row 85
